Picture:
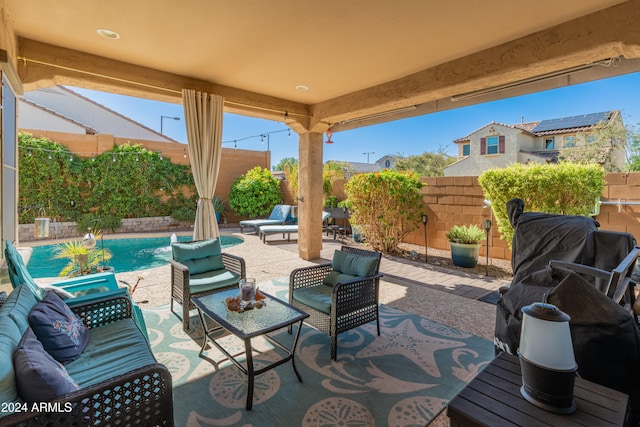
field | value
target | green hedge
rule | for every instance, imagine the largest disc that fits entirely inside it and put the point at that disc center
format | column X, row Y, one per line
column 564, row 188
column 255, row 193
column 99, row 191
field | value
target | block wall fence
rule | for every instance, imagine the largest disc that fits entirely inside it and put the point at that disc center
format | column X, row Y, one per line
column 458, row 200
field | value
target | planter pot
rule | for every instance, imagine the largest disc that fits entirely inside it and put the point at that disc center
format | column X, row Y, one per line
column 465, row 255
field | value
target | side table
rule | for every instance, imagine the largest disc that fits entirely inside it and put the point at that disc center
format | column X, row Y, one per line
column 493, row 398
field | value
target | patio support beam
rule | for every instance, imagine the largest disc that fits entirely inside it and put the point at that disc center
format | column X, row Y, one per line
column 608, row 33
column 310, row 195
column 44, row 65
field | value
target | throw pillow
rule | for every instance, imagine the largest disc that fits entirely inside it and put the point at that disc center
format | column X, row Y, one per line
column 62, row 333
column 39, row 377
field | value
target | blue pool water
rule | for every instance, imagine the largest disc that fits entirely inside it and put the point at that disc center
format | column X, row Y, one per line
column 128, row 254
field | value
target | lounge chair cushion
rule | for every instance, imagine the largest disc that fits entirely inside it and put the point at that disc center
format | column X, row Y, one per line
column 9, row 338
column 318, row 297
column 211, row 280
column 39, row 377
column 199, row 257
column 61, row 332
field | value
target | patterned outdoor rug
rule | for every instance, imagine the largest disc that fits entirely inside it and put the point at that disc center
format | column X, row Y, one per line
column 404, row 377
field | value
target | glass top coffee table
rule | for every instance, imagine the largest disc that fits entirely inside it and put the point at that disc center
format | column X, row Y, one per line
column 275, row 314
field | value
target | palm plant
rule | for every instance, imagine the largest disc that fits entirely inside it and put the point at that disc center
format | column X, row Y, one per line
column 75, row 252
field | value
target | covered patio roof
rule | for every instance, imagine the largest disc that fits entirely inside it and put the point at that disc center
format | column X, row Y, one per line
column 319, row 64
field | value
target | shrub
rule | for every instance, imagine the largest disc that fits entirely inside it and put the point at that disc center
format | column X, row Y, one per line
column 387, row 205
column 255, row 193
column 564, row 188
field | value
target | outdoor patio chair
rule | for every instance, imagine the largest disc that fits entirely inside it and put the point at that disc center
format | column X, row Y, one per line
column 201, row 268
column 340, row 295
column 278, row 216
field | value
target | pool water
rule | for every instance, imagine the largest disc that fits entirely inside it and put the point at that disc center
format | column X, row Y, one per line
column 128, row 254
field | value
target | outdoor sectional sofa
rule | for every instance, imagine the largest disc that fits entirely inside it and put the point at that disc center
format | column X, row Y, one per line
column 114, row 380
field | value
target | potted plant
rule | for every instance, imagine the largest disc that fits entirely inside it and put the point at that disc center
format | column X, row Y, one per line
column 218, row 206
column 465, row 244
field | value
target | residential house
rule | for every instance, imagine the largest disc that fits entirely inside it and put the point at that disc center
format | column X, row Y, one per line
column 499, row 145
column 384, row 162
column 60, row 109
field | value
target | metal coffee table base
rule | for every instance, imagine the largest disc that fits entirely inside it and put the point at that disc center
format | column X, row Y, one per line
column 250, row 370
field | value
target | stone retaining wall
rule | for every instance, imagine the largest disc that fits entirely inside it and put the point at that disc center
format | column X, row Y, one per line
column 61, row 230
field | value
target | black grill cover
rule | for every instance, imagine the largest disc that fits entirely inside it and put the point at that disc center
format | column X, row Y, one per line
column 540, row 237
column 606, row 338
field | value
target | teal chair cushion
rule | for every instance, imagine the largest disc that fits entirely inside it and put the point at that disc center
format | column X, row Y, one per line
column 318, row 297
column 18, row 273
column 336, row 277
column 353, row 264
column 199, row 257
column 212, row 280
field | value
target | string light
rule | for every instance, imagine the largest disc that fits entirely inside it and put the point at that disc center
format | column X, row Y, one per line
column 235, row 142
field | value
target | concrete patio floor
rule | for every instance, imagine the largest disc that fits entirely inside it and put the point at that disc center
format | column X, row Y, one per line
column 446, row 296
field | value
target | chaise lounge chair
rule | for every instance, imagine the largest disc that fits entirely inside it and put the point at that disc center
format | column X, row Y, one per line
column 287, row 229
column 278, row 216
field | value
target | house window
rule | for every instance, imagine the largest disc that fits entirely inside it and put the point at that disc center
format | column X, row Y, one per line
column 549, row 143
column 466, row 150
column 492, row 145
column 387, row 163
column 569, row 141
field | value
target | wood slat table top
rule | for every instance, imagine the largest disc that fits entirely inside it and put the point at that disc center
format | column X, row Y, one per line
column 493, row 399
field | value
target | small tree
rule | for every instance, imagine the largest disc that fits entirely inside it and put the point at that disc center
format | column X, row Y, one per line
column 387, row 205
column 255, row 193
column 607, row 141
column 426, row 164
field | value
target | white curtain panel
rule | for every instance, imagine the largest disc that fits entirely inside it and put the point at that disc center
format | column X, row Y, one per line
column 203, row 116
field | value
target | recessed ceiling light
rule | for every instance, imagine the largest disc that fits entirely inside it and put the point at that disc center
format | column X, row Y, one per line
column 108, row 34
column 302, row 87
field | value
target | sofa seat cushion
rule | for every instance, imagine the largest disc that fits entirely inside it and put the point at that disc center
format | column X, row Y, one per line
column 318, row 297
column 39, row 377
column 212, row 280
column 61, row 331
column 112, row 350
column 200, row 256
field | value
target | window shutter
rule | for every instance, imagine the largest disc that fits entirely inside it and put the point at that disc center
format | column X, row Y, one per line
column 483, row 146
column 501, row 144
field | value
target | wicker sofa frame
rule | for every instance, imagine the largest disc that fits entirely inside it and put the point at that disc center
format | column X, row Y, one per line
column 353, row 303
column 143, row 396
column 181, row 292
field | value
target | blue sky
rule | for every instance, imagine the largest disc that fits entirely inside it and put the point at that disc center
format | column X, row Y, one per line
column 405, row 137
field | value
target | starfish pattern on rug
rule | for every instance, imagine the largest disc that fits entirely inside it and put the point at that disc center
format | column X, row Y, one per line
column 405, row 340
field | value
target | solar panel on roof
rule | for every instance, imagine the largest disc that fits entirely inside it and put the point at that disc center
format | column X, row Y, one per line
column 571, row 122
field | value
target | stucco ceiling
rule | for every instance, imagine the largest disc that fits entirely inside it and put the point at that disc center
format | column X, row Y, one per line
column 336, row 48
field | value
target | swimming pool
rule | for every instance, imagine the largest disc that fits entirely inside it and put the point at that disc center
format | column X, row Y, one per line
column 128, row 254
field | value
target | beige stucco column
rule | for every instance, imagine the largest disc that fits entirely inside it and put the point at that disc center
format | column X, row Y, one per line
column 310, row 195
